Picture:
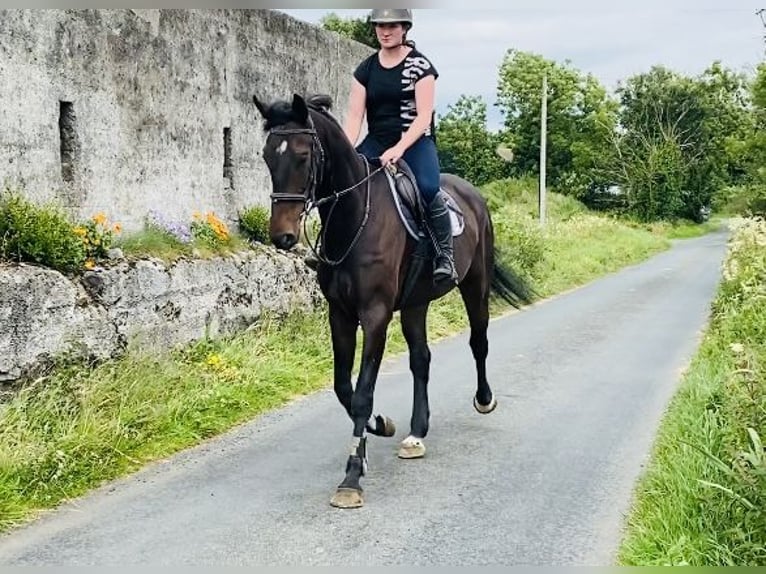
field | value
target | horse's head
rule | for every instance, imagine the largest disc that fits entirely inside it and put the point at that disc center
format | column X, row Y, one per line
column 294, row 156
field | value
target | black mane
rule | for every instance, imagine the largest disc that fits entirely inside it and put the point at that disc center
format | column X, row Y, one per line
column 320, row 102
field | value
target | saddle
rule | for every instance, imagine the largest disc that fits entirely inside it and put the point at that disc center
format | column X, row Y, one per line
column 410, row 205
column 414, row 216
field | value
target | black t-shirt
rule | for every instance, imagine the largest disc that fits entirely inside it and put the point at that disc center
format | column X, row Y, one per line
column 391, row 94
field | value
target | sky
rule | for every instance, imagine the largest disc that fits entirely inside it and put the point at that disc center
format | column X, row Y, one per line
column 611, row 40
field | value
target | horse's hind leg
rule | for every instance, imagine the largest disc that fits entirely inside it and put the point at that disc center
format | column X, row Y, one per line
column 475, row 293
column 414, row 330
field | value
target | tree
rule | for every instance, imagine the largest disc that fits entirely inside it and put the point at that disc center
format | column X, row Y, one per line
column 703, row 117
column 759, row 88
column 358, row 29
column 755, row 148
column 725, row 100
column 756, row 139
column 466, row 147
column 581, row 118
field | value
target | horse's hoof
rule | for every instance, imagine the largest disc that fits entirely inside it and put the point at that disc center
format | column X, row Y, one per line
column 384, row 427
column 411, row 447
column 347, row 498
column 389, row 428
column 485, row 409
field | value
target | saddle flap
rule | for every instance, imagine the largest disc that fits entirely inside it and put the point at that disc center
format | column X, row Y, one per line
column 407, row 187
column 410, row 205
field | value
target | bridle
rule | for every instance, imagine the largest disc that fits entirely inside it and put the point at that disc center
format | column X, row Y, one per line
column 309, row 195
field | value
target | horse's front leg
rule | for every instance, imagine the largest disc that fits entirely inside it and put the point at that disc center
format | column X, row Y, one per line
column 374, row 322
column 343, row 328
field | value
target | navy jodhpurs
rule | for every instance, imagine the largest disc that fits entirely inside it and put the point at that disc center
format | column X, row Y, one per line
column 421, row 157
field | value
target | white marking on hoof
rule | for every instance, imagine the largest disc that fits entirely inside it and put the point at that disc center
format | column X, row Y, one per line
column 347, row 498
column 412, row 447
column 485, row 410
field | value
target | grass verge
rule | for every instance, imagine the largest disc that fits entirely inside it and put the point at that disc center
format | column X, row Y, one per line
column 702, row 499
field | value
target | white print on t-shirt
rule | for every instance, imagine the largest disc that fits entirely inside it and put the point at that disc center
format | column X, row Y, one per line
column 414, row 67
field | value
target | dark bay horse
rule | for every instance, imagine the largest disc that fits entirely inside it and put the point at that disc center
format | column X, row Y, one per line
column 365, row 255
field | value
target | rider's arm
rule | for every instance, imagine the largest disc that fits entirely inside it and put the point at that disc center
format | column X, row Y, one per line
column 356, row 109
column 425, row 89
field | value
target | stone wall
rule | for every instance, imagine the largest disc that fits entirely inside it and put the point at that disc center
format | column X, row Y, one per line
column 145, row 304
column 127, row 111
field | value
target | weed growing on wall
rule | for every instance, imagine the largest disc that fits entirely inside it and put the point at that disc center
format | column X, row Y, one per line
column 254, row 223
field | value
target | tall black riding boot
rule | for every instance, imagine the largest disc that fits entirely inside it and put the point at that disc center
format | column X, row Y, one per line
column 444, row 262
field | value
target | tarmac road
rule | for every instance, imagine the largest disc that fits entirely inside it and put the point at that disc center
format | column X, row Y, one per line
column 582, row 380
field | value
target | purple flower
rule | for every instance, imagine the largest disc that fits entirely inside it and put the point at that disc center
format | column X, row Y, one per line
column 177, row 229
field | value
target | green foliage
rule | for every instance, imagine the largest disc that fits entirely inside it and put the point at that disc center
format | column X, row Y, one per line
column 521, row 241
column 754, row 145
column 42, row 234
column 518, row 235
column 759, row 87
column 580, row 121
column 679, row 140
column 254, row 223
column 97, row 235
column 748, row 200
column 358, row 29
column 466, row 147
column 153, row 241
column 756, row 204
column 524, row 193
column 727, row 122
column 169, row 239
column 655, row 179
column 663, row 150
column 210, row 230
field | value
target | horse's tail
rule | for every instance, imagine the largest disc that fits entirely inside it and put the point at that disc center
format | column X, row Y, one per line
column 509, row 285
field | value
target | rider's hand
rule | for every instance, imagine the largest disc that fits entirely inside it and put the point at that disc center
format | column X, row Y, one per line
column 392, row 155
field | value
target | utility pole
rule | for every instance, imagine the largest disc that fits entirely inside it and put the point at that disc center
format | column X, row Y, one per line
column 762, row 13
column 543, row 146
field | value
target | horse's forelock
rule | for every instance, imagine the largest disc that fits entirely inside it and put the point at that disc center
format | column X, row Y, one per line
column 278, row 114
column 281, row 112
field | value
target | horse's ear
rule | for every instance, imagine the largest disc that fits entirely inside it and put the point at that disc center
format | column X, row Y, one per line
column 261, row 107
column 300, row 109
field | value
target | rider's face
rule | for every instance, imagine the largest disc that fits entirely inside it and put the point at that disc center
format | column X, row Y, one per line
column 389, row 35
